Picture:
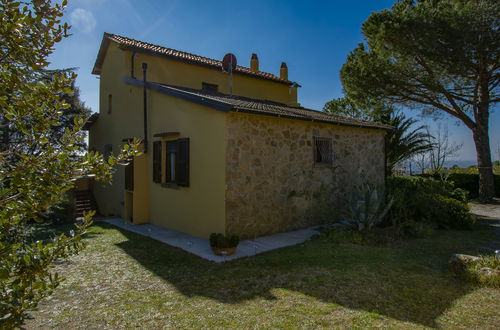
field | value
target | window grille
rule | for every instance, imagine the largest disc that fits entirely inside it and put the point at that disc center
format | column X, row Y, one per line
column 323, row 151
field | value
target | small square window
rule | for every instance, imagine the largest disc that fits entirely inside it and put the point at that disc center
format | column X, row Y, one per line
column 323, row 151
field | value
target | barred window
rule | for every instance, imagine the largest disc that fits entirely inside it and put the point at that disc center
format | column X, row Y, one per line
column 323, row 151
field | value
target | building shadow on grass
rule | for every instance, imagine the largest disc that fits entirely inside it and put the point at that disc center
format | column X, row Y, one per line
column 409, row 283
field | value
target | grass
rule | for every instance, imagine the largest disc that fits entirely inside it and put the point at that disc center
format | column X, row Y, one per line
column 486, row 261
column 125, row 280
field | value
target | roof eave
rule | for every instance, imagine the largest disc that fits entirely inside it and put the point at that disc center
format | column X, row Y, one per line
column 226, row 107
column 101, row 54
column 90, row 121
column 218, row 105
column 339, row 123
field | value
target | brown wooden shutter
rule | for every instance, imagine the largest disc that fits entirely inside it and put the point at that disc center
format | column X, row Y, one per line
column 182, row 162
column 157, row 161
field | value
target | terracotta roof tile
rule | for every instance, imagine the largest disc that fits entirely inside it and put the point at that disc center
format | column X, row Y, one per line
column 185, row 56
column 264, row 107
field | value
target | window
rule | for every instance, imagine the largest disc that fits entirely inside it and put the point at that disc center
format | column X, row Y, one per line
column 209, row 87
column 177, row 162
column 108, row 149
column 110, row 103
column 323, row 151
column 157, row 161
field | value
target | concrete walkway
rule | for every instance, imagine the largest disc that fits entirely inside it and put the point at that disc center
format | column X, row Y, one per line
column 201, row 247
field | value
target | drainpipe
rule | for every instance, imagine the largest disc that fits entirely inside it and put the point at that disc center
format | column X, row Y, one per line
column 144, row 68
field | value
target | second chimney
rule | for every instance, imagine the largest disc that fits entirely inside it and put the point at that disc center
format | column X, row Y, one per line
column 254, row 63
column 284, row 71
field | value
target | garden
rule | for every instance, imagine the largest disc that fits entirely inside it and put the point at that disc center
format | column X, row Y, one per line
column 126, row 280
column 392, row 272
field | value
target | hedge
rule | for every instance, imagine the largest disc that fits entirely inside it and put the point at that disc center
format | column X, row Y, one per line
column 469, row 182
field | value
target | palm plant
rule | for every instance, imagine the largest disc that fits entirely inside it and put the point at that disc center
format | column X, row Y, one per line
column 404, row 141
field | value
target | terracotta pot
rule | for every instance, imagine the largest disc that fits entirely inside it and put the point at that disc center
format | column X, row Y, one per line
column 223, row 251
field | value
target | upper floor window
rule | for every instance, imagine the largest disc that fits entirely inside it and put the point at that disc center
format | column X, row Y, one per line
column 209, row 87
column 323, row 151
column 110, row 103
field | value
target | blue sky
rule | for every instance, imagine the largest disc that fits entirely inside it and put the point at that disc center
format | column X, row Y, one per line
column 312, row 37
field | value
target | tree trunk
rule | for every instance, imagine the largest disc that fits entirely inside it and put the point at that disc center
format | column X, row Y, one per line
column 486, row 178
column 482, row 140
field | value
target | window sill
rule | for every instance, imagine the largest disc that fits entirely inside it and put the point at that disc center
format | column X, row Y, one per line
column 170, row 185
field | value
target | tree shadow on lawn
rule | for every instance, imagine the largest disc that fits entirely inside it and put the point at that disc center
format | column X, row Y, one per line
column 408, row 283
column 46, row 231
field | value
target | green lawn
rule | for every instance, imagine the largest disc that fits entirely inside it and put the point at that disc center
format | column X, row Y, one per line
column 126, row 280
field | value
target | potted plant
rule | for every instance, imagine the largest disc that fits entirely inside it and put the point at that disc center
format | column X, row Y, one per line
column 223, row 245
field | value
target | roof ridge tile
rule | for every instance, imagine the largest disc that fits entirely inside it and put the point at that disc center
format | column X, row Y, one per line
column 130, row 42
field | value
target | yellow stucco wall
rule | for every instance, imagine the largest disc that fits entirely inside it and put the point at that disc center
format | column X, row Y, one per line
column 141, row 201
column 173, row 72
column 197, row 209
column 112, row 128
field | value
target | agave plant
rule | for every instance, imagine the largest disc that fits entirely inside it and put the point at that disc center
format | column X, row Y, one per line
column 367, row 208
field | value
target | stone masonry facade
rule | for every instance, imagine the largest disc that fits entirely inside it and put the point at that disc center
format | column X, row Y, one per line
column 272, row 183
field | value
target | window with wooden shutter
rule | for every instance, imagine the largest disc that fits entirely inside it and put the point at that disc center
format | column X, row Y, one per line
column 157, row 161
column 171, row 161
column 177, row 162
column 182, row 162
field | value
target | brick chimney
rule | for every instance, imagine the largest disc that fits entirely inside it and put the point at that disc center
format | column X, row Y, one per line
column 284, row 71
column 254, row 63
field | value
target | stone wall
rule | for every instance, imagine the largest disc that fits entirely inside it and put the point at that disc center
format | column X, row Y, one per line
column 272, row 184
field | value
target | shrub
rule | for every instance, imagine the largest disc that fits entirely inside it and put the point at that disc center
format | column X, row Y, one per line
column 445, row 212
column 424, row 199
column 415, row 229
column 62, row 212
column 222, row 241
column 460, row 194
column 468, row 182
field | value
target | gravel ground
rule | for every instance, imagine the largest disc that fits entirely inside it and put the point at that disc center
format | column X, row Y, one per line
column 490, row 211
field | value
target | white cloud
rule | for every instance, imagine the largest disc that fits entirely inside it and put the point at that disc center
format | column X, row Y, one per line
column 83, row 20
